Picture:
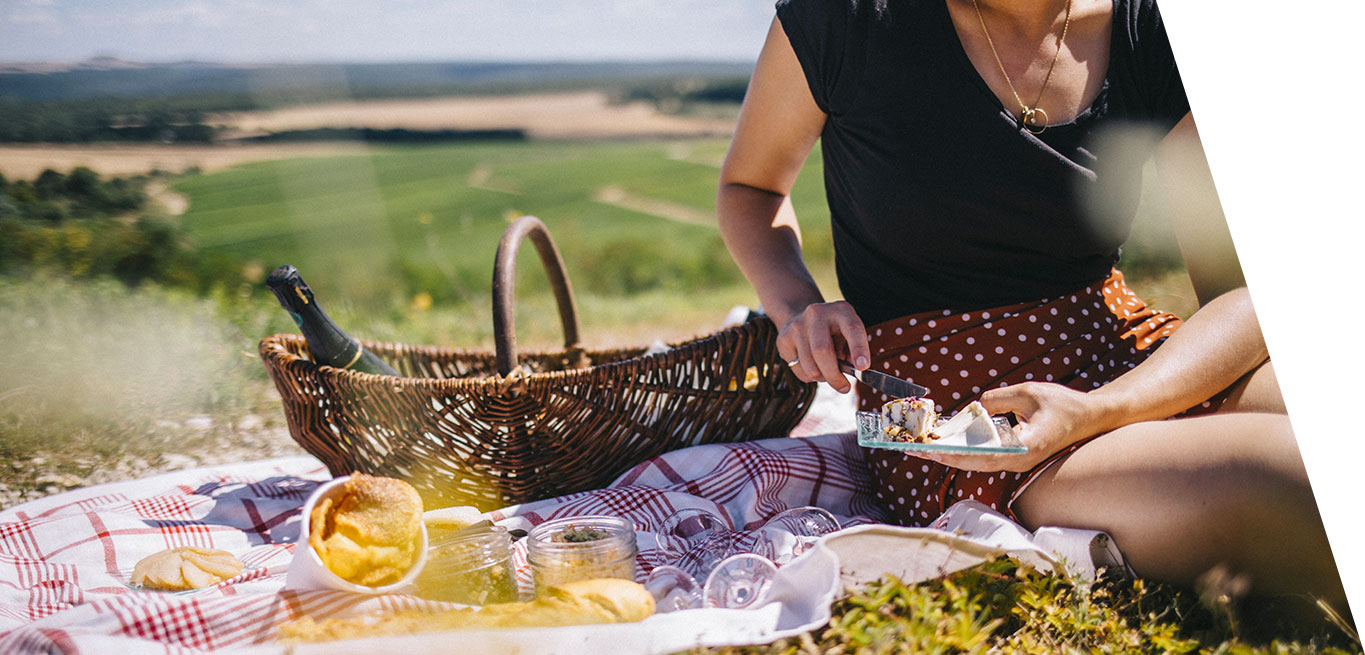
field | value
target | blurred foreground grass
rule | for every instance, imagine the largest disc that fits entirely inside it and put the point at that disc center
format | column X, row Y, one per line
column 94, row 373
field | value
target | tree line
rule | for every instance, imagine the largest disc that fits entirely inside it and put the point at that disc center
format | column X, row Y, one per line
column 81, row 225
column 87, row 122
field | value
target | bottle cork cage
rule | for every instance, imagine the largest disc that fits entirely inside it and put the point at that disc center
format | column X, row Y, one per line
column 495, row 428
column 562, row 422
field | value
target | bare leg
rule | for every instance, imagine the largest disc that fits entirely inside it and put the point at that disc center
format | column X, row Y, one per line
column 1182, row 496
column 1257, row 391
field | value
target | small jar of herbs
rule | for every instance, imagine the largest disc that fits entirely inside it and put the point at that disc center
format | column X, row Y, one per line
column 581, row 548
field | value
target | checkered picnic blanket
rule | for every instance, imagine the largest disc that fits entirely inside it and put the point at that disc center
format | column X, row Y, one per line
column 65, row 560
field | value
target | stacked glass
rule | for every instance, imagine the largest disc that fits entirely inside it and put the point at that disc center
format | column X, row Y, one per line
column 738, row 567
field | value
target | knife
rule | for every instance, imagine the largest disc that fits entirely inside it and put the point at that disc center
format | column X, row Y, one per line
column 891, row 386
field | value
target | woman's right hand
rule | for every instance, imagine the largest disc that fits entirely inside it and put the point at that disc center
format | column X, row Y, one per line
column 814, row 340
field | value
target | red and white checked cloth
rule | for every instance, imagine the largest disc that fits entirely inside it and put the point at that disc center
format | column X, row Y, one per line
column 65, row 559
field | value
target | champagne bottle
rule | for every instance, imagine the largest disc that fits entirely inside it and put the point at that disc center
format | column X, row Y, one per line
column 327, row 342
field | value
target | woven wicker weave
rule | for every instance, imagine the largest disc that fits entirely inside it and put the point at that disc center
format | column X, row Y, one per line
column 490, row 429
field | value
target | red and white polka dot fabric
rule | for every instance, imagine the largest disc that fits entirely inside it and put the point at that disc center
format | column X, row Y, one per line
column 1081, row 340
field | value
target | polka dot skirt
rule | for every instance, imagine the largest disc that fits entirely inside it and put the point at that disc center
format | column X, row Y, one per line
column 1082, row 340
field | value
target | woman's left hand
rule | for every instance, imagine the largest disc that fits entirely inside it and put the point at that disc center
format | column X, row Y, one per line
column 1051, row 417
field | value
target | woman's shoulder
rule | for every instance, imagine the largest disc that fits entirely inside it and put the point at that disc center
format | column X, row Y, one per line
column 838, row 11
column 832, row 39
column 1141, row 19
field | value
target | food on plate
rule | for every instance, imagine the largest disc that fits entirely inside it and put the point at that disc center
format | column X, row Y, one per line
column 185, row 568
column 913, row 420
column 575, row 603
column 371, row 534
column 909, row 419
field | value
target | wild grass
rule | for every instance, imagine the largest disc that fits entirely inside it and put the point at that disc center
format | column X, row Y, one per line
column 1003, row 606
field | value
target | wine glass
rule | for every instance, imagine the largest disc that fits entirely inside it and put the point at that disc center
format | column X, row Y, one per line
column 738, row 567
column 788, row 534
column 807, row 521
column 740, row 581
column 685, row 528
column 673, row 589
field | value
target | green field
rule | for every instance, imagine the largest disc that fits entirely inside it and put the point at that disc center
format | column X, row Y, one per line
column 375, row 231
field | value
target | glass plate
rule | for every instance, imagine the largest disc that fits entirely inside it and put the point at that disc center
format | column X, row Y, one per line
column 870, row 436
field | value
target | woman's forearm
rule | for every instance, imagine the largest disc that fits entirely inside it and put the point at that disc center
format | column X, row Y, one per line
column 760, row 230
column 1218, row 345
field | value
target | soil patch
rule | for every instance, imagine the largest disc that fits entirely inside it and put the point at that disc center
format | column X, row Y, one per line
column 577, row 115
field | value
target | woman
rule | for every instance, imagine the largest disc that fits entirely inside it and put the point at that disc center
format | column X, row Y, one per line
column 961, row 142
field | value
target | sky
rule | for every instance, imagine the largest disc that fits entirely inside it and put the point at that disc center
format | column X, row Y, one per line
column 261, row 31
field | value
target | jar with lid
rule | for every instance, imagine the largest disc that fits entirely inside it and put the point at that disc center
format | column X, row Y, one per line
column 581, row 548
column 474, row 568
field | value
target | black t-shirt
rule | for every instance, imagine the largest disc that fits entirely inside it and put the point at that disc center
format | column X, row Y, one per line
column 939, row 198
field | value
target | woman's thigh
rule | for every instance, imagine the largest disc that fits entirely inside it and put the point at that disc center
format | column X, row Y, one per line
column 1182, row 496
column 1257, row 391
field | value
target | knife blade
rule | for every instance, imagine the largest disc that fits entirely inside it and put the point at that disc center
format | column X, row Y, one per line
column 889, row 385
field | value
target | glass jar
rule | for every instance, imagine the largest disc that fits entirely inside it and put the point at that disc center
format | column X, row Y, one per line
column 581, row 548
column 470, row 568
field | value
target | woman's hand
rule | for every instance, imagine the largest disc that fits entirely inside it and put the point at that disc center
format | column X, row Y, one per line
column 1051, row 417
column 814, row 340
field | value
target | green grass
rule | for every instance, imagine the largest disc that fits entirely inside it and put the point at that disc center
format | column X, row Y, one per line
column 92, row 372
column 1002, row 606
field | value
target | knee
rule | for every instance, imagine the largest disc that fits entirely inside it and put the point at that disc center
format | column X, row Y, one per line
column 1257, row 391
column 1268, row 478
column 1255, row 500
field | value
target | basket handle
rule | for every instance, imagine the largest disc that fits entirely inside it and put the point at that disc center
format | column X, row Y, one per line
column 504, row 279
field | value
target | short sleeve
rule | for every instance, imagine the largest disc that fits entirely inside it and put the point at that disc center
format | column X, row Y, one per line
column 826, row 36
column 1163, row 89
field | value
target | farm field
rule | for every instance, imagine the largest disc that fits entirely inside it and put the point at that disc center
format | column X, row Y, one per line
column 25, row 162
column 563, row 115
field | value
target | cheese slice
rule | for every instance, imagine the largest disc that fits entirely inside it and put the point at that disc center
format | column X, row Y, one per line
column 909, row 419
column 970, row 427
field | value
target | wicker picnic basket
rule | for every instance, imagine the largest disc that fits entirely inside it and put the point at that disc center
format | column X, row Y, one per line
column 494, row 428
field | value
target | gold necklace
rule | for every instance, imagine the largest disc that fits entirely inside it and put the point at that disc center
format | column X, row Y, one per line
column 1029, row 117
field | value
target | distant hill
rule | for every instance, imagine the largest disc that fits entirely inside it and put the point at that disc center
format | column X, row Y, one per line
column 111, row 100
column 270, row 85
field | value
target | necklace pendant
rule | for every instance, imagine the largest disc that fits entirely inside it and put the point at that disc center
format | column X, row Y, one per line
column 1033, row 119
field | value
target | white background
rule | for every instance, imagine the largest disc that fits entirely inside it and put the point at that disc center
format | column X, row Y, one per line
column 1275, row 89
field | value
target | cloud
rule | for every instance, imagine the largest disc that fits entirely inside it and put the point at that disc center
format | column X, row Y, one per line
column 195, row 14
column 33, row 17
column 294, row 30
